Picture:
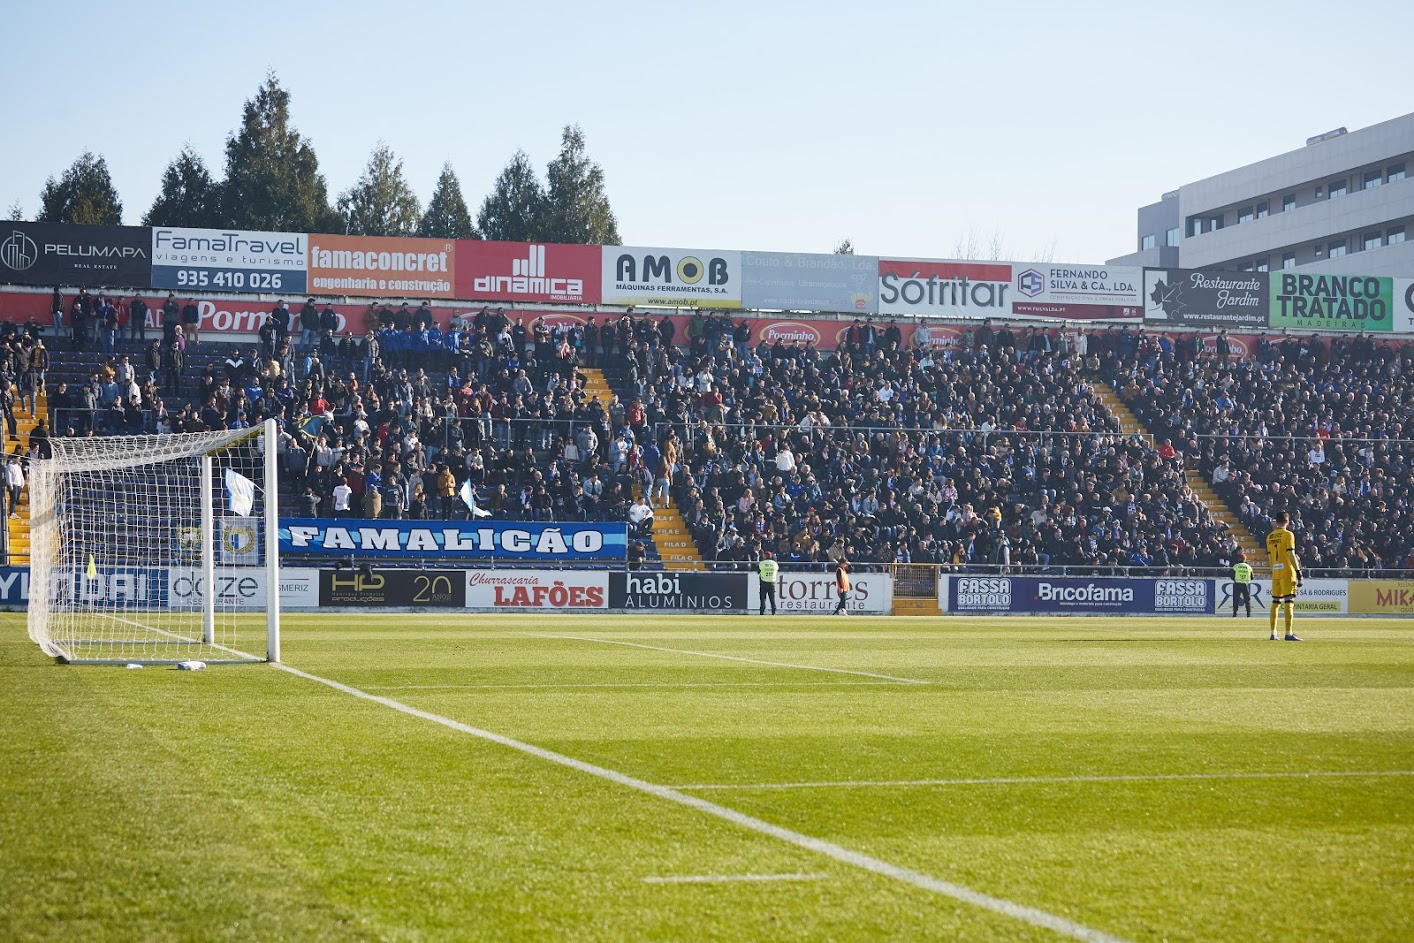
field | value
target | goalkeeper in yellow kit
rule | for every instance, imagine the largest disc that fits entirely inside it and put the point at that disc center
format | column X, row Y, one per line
column 1286, row 573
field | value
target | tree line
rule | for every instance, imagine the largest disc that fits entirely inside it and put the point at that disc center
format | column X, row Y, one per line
column 272, row 182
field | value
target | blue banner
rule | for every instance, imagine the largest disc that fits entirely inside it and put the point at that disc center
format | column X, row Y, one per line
column 1097, row 595
column 483, row 540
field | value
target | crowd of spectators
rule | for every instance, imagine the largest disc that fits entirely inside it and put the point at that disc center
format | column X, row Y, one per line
column 1314, row 426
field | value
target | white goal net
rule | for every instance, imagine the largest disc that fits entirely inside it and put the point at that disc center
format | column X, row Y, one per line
column 156, row 549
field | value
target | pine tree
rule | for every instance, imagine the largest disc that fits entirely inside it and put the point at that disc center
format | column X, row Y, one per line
column 577, row 208
column 513, row 210
column 381, row 203
column 272, row 174
column 447, row 216
column 84, row 194
column 189, row 196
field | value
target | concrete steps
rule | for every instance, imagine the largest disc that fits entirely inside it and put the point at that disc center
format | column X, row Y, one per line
column 18, row 527
column 1204, row 492
column 906, row 606
column 596, row 385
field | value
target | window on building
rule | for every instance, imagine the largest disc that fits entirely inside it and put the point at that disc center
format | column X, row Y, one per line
column 1319, row 191
column 1337, row 249
column 1148, row 242
column 1263, row 209
column 1262, row 265
column 1373, row 178
column 1372, row 240
column 1244, row 215
column 1396, row 172
column 1244, row 266
column 1288, row 260
column 1171, row 237
column 1337, row 188
column 1396, row 236
column 1215, row 223
column 1195, row 226
column 1288, row 203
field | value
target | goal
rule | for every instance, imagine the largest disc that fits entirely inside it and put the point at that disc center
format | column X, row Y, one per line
column 156, row 549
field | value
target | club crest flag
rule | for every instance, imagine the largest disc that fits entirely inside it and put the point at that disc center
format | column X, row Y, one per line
column 240, row 493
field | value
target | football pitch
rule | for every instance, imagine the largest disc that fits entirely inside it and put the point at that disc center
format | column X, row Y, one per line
column 465, row 777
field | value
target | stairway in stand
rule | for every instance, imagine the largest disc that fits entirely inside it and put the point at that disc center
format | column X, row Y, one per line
column 1204, row 492
column 596, row 385
column 18, row 527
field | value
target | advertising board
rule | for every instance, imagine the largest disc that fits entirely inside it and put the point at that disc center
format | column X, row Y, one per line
column 1076, row 595
column 814, row 593
column 463, row 539
column 443, row 589
column 573, row 590
column 228, row 260
column 1332, row 302
column 1316, row 597
column 1078, row 292
column 791, row 281
column 1381, row 597
column 242, row 588
column 680, row 278
column 382, row 266
column 930, row 288
column 684, row 592
column 72, row 254
column 1404, row 305
column 1206, row 298
column 526, row 272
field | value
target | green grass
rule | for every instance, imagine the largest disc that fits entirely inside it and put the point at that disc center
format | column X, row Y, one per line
column 244, row 803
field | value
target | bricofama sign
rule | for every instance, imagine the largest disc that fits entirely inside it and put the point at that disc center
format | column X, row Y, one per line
column 381, row 266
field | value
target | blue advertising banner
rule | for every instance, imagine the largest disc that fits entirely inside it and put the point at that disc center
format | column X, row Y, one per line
column 14, row 585
column 229, row 260
column 1097, row 595
column 519, row 540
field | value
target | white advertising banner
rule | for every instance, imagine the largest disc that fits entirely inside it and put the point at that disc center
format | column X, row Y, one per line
column 1315, row 597
column 814, row 593
column 1404, row 305
column 576, row 590
column 242, row 588
column 216, row 259
column 1078, row 292
column 680, row 278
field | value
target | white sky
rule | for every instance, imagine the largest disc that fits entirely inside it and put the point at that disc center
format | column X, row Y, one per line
column 767, row 126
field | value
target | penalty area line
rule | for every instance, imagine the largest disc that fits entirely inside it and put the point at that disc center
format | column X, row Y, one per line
column 749, row 661
column 1043, row 780
column 1021, row 912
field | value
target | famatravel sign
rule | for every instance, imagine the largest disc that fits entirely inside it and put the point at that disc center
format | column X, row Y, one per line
column 382, row 266
column 228, row 260
column 483, row 539
column 70, row 254
column 527, row 272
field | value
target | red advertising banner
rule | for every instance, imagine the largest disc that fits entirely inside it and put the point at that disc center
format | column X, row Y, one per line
column 538, row 273
column 382, row 267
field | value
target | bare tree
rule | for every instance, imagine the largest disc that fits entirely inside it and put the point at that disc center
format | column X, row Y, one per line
column 845, row 247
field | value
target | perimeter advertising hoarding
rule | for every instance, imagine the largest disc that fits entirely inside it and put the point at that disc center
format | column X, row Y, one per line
column 679, row 278
column 981, row 595
column 454, row 539
column 228, row 260
column 568, row 590
column 70, row 254
column 1078, row 292
column 441, row 589
column 930, row 288
column 814, row 593
column 789, row 281
column 242, row 588
column 1206, row 298
column 1332, row 302
column 524, row 272
column 1404, row 305
column 1381, row 597
column 664, row 590
column 1316, row 597
column 382, row 266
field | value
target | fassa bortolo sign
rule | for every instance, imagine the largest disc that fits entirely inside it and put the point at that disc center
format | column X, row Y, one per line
column 537, row 589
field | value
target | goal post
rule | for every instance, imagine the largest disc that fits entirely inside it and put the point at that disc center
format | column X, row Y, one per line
column 157, row 549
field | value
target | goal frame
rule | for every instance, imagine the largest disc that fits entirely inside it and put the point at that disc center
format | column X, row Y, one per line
column 208, row 493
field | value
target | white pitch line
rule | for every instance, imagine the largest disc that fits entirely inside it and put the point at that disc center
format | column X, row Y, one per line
column 1041, row 780
column 1022, row 912
column 731, row 878
column 749, row 661
column 635, row 684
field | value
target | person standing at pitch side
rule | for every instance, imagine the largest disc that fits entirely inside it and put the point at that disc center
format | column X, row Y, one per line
column 842, row 569
column 1241, row 585
column 768, row 570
